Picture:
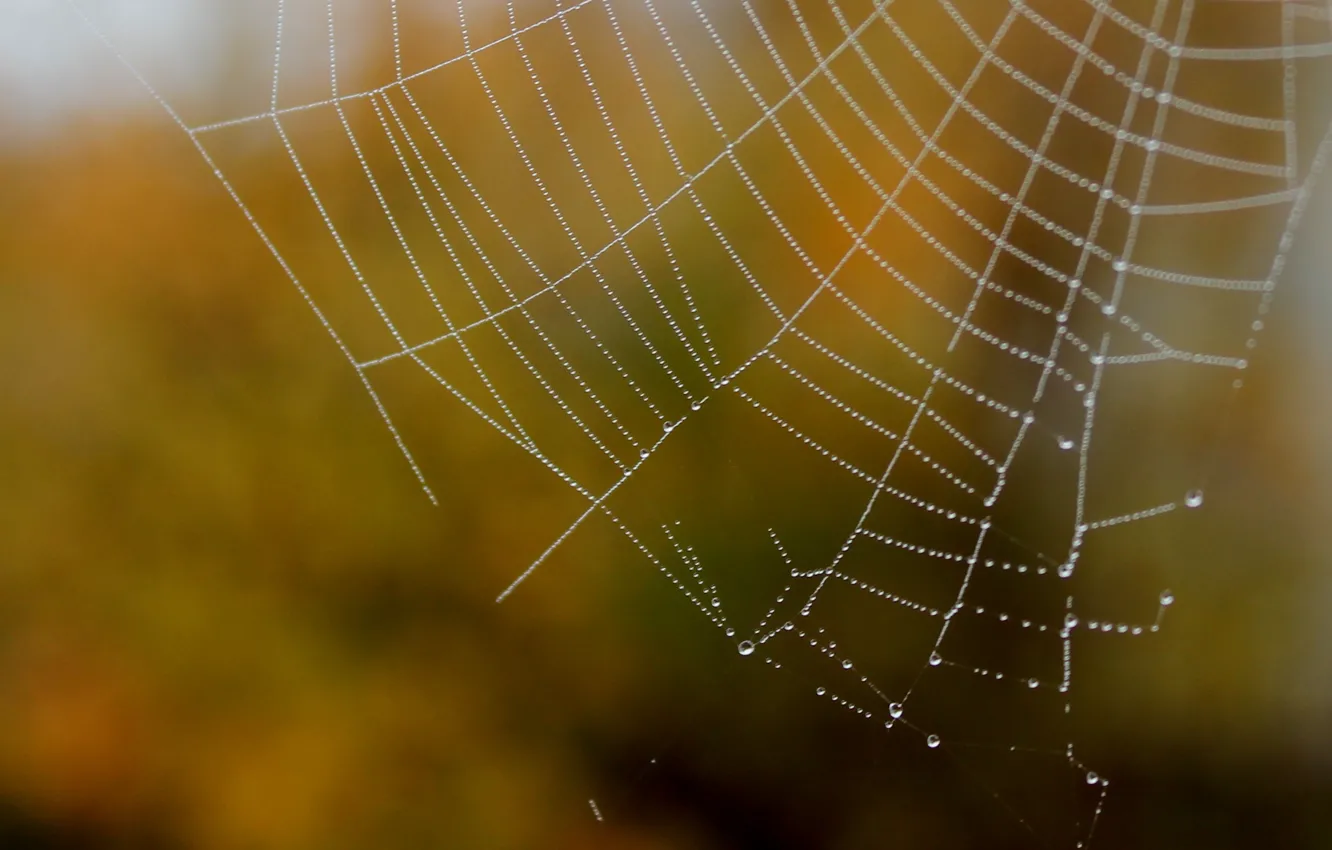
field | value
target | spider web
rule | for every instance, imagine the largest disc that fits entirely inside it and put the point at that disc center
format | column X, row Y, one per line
column 921, row 259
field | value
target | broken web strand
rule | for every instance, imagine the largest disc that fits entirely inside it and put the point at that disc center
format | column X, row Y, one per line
column 1100, row 359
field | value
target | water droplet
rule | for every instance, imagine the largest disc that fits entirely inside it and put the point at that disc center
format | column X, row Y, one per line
column 1065, row 570
column 716, row 603
column 935, row 660
column 932, row 741
column 1070, row 620
column 1092, row 778
column 846, row 663
column 895, row 709
column 1065, row 443
column 788, row 625
column 668, row 427
column 1167, row 598
column 696, row 405
column 1032, row 683
column 820, row 690
column 730, row 632
column 1193, row 498
column 643, row 453
column 746, row 647
column 1120, row 265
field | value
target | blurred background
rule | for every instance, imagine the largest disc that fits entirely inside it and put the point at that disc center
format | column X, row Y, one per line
column 231, row 616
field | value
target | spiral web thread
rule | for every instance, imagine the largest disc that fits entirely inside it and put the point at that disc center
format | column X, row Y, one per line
column 667, row 362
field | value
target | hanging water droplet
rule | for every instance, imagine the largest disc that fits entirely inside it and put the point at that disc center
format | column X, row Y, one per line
column 746, row 647
column 1193, row 498
column 696, row 405
column 846, row 663
column 1065, row 443
column 1167, row 598
column 788, row 625
column 643, row 453
column 1032, row 683
column 1065, row 570
column 730, row 632
column 668, row 427
column 716, row 603
column 935, row 660
column 1092, row 778
column 895, row 709
column 820, row 690
column 1070, row 620
column 932, row 741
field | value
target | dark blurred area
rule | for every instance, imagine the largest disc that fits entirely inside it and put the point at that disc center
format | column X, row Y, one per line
column 231, row 618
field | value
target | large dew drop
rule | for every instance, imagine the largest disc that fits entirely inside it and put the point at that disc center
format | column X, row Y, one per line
column 1193, row 499
column 895, row 709
column 932, row 742
column 746, row 647
column 935, row 659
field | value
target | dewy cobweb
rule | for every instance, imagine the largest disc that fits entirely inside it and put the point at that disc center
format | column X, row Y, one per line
column 925, row 257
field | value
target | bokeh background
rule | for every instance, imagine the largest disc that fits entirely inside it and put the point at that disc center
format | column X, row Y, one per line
column 231, row 618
